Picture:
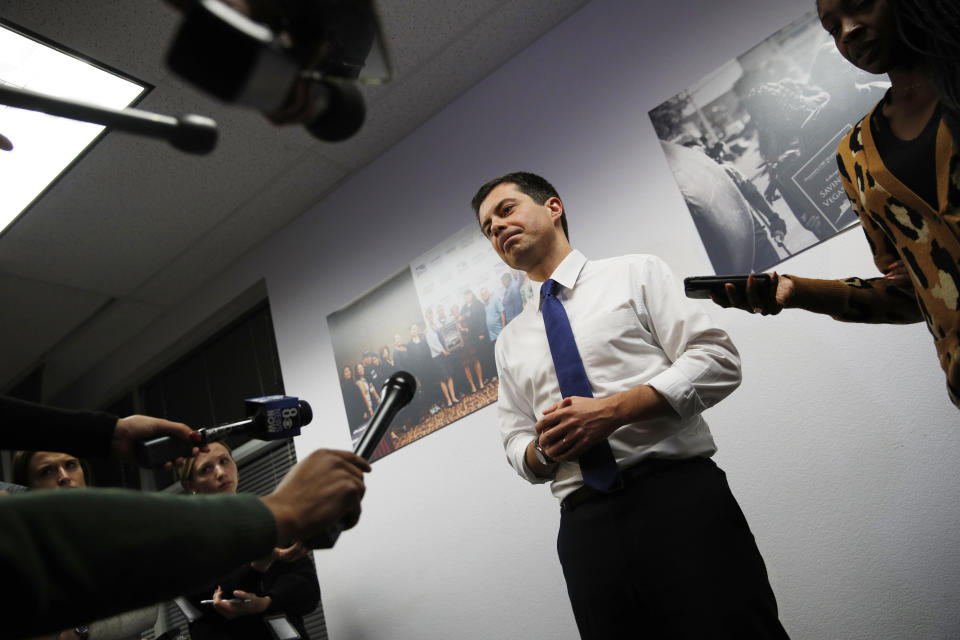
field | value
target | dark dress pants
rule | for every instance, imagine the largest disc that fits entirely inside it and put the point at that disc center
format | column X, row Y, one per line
column 670, row 555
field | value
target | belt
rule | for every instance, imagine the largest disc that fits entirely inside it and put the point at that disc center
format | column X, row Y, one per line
column 625, row 478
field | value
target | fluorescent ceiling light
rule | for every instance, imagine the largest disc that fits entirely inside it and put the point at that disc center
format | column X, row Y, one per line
column 43, row 145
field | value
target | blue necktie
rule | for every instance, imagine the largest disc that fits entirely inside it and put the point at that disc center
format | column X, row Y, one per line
column 597, row 464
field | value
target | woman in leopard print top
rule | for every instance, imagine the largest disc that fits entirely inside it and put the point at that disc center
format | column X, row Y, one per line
column 900, row 168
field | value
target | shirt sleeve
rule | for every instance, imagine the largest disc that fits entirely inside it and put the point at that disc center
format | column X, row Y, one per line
column 35, row 427
column 516, row 418
column 76, row 556
column 705, row 364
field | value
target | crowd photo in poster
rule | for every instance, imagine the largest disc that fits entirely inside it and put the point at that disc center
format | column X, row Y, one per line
column 753, row 147
column 438, row 319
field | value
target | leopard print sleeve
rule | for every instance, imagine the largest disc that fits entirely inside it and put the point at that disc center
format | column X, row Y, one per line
column 867, row 300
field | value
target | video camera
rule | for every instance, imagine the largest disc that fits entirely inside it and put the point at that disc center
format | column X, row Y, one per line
column 297, row 61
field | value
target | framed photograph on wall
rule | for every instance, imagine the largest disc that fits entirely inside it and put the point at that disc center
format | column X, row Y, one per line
column 753, row 147
column 437, row 318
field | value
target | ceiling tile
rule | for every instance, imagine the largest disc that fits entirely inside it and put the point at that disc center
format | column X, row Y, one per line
column 42, row 314
column 150, row 200
column 129, row 35
column 292, row 193
column 98, row 337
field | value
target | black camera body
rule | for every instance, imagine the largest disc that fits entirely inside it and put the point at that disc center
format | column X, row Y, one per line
column 299, row 65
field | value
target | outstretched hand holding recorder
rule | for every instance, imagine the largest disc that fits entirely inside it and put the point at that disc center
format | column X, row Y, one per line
column 763, row 293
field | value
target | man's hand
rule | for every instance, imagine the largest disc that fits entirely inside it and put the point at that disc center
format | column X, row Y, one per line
column 575, row 424
column 322, row 490
column 136, row 428
column 245, row 604
column 569, row 428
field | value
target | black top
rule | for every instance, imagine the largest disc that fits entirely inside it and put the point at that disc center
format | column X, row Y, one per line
column 912, row 162
column 35, row 427
column 291, row 585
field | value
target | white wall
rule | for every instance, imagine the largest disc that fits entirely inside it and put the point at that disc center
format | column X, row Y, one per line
column 840, row 444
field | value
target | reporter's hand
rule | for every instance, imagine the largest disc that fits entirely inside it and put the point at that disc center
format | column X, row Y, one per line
column 249, row 604
column 765, row 299
column 322, row 490
column 282, row 554
column 896, row 274
column 292, row 553
column 136, row 428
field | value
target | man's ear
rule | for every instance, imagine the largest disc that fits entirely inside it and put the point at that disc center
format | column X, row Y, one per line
column 555, row 206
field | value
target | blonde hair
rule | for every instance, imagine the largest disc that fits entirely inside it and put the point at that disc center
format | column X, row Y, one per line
column 184, row 472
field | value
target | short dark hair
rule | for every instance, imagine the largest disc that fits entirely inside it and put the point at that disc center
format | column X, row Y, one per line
column 21, row 468
column 531, row 184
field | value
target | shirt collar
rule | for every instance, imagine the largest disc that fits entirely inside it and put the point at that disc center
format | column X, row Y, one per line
column 568, row 271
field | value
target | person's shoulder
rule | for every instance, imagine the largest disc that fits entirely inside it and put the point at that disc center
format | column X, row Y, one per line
column 516, row 324
column 626, row 261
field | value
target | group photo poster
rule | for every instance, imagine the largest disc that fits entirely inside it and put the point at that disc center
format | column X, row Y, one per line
column 438, row 318
column 753, row 147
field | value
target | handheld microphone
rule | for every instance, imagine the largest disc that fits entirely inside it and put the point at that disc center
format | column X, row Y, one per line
column 191, row 133
column 270, row 418
column 397, row 393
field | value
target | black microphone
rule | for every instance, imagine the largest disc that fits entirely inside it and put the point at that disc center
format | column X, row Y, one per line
column 191, row 133
column 271, row 418
column 339, row 108
column 397, row 393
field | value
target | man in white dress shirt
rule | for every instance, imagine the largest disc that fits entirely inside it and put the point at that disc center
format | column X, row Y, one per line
column 666, row 550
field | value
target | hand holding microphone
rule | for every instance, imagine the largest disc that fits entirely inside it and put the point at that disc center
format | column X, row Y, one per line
column 320, row 496
column 397, row 392
column 270, row 418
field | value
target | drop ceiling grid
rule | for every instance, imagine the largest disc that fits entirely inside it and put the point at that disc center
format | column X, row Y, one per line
column 147, row 225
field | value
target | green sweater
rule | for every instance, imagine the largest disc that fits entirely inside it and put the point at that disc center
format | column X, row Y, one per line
column 71, row 557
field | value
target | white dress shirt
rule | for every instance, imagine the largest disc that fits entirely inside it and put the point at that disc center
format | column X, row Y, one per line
column 633, row 326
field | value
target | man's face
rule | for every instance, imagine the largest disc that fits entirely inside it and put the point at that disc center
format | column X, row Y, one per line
column 484, row 295
column 53, row 470
column 519, row 229
column 864, row 32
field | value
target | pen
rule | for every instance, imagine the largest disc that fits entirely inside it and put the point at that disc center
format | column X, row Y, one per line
column 230, row 600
